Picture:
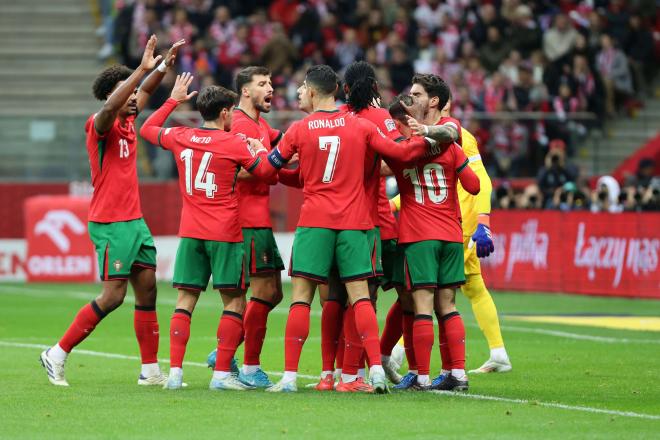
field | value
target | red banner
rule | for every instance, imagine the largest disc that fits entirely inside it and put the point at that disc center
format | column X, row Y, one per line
column 58, row 248
column 577, row 252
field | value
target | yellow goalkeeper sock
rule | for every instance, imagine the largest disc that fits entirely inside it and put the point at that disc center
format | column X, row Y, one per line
column 484, row 310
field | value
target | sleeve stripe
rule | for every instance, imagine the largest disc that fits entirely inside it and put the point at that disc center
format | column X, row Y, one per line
column 277, row 139
column 400, row 138
column 254, row 165
column 459, row 169
column 475, row 158
column 160, row 132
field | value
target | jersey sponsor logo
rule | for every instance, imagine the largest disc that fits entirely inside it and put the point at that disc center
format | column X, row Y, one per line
column 639, row 255
column 53, row 225
column 200, row 139
column 326, row 123
column 390, row 125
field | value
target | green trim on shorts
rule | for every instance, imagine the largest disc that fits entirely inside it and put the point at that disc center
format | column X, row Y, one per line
column 373, row 236
column 120, row 246
column 433, row 264
column 197, row 260
column 261, row 252
column 317, row 250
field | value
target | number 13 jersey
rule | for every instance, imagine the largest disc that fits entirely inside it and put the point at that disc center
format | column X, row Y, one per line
column 113, row 165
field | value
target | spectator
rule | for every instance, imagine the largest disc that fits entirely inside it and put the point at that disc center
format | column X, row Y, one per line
column 613, row 68
column 606, row 196
column 531, row 198
column 524, row 34
column 222, row 27
column 487, row 17
column 494, row 51
column 560, row 39
column 401, row 70
column 348, row 50
column 640, row 50
column 279, row 52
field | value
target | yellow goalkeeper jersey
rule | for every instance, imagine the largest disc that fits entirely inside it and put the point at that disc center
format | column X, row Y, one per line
column 471, row 206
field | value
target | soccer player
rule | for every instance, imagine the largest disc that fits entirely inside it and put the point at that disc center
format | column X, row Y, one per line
column 123, row 242
column 430, row 235
column 476, row 230
column 334, row 217
column 208, row 159
column 255, row 88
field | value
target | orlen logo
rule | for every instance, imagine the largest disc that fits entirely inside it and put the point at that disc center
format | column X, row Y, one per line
column 53, row 225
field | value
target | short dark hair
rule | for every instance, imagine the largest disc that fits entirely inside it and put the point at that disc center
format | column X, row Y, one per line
column 322, row 78
column 108, row 79
column 245, row 76
column 213, row 99
column 397, row 111
column 434, row 86
column 360, row 78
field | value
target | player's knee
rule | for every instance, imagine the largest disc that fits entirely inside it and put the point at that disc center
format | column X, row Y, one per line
column 236, row 304
column 474, row 288
column 111, row 297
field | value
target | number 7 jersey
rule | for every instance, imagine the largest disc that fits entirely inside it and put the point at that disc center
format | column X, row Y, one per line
column 429, row 196
column 208, row 161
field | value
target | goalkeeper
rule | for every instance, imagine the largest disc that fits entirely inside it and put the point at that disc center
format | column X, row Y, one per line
column 478, row 243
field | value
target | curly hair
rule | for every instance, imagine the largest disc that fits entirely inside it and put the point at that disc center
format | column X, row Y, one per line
column 361, row 81
column 434, row 86
column 108, row 79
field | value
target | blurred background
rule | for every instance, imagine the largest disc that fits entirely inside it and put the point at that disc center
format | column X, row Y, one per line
column 563, row 96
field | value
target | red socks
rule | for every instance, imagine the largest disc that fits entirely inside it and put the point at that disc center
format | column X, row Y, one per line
column 454, row 332
column 408, row 320
column 297, row 330
column 366, row 324
column 179, row 335
column 393, row 329
column 145, row 322
column 331, row 325
column 423, row 342
column 339, row 361
column 352, row 352
column 230, row 332
column 254, row 323
column 82, row 326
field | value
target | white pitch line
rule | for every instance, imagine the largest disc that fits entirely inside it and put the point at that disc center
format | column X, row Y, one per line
column 305, row 376
column 569, row 335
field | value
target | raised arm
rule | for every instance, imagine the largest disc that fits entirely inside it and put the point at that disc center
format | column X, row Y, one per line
column 156, row 76
column 441, row 133
column 106, row 116
column 152, row 127
column 407, row 150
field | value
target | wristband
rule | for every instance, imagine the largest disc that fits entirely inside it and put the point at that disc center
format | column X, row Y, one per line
column 162, row 67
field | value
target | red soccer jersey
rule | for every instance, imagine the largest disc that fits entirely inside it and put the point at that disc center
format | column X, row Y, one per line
column 113, row 163
column 387, row 222
column 253, row 195
column 331, row 146
column 429, row 199
column 382, row 119
column 208, row 161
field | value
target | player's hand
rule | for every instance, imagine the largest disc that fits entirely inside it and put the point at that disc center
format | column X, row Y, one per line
column 180, row 89
column 256, row 146
column 148, row 61
column 294, row 159
column 170, row 57
column 484, row 241
column 416, row 127
column 415, row 110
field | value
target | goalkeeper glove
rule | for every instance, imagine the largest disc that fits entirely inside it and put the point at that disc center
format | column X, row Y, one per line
column 484, row 241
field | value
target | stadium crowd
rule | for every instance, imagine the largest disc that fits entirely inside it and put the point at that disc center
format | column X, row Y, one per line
column 499, row 57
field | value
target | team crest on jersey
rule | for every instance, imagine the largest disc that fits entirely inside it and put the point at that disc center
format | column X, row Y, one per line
column 117, row 265
column 390, row 125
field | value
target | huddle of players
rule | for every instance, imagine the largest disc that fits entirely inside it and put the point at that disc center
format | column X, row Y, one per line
column 230, row 237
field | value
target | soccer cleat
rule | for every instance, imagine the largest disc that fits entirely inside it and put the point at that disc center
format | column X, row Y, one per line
column 491, row 366
column 158, row 379
column 407, row 382
column 258, row 379
column 230, row 382
column 356, row 386
column 379, row 383
column 450, row 383
column 174, row 381
column 419, row 387
column 326, row 383
column 54, row 369
column 439, row 378
column 391, row 368
column 210, row 361
column 283, row 387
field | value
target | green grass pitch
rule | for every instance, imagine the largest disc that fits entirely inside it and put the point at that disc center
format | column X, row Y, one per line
column 567, row 381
